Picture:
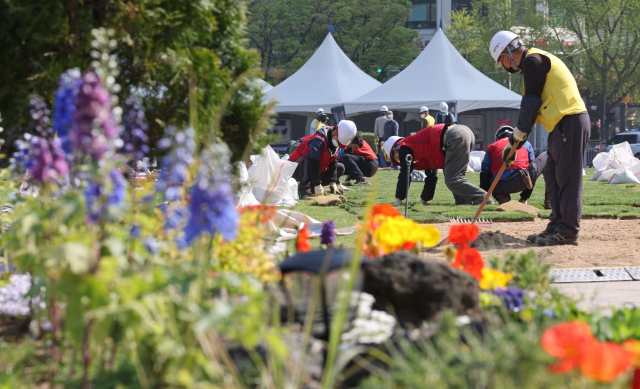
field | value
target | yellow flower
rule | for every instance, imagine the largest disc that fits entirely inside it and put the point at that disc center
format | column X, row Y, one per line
column 397, row 233
column 494, row 279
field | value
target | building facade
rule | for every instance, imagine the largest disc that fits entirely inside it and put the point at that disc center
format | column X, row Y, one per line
column 428, row 14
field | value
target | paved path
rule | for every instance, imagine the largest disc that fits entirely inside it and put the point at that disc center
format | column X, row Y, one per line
column 605, row 294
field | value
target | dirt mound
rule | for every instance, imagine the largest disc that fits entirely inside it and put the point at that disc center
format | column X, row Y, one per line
column 518, row 206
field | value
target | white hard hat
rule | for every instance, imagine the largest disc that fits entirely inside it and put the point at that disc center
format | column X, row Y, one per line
column 388, row 145
column 384, row 108
column 444, row 107
column 499, row 43
column 320, row 110
column 424, row 109
column 346, row 132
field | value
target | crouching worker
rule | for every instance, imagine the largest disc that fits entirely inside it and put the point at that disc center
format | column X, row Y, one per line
column 519, row 177
column 316, row 157
column 441, row 146
column 359, row 161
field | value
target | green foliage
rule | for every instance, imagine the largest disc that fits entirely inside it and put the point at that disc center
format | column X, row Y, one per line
column 506, row 355
column 371, row 33
column 528, row 273
column 162, row 46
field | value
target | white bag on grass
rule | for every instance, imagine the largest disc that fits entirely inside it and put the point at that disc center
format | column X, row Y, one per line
column 595, row 176
column 606, row 176
column 269, row 176
column 475, row 160
column 601, row 161
column 623, row 155
column 624, row 177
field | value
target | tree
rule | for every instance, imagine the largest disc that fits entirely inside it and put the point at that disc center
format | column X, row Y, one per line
column 163, row 46
column 371, row 33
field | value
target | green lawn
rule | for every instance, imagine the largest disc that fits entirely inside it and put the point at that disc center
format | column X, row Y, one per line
column 599, row 200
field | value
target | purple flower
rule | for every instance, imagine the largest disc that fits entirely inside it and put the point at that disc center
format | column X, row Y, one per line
column 21, row 159
column 513, row 297
column 118, row 192
column 92, row 194
column 151, row 244
column 135, row 231
column 48, row 161
column 134, row 135
column 95, row 125
column 175, row 165
column 63, row 107
column 328, row 235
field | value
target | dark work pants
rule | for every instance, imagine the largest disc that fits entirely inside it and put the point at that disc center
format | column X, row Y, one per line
column 306, row 180
column 429, row 189
column 563, row 173
column 357, row 166
column 516, row 184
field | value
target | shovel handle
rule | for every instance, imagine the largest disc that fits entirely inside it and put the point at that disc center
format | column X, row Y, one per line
column 408, row 159
column 495, row 182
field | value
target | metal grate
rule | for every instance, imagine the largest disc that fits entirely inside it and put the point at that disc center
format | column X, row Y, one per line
column 634, row 272
column 591, row 275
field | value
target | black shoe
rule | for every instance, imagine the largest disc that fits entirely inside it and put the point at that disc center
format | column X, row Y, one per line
column 503, row 199
column 362, row 182
column 547, row 204
column 534, row 237
column 307, row 194
column 557, row 239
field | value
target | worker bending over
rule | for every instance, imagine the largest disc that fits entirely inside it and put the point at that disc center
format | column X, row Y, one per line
column 359, row 161
column 550, row 97
column 437, row 147
column 519, row 177
column 316, row 158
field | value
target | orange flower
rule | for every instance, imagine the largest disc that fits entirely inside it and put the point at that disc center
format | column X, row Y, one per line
column 302, row 242
column 384, row 209
column 266, row 211
column 567, row 342
column 605, row 361
column 462, row 233
column 633, row 346
column 469, row 260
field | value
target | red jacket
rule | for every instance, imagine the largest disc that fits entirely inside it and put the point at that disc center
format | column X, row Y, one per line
column 325, row 158
column 495, row 153
column 365, row 151
column 427, row 153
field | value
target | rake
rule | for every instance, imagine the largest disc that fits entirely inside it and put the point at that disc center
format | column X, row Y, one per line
column 487, row 222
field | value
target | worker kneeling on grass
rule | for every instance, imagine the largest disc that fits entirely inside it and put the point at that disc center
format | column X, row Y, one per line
column 519, row 177
column 441, row 146
column 359, row 161
column 316, row 157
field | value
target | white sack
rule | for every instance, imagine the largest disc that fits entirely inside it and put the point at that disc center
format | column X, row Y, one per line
column 623, row 155
column 624, row 177
column 245, row 194
column 601, row 161
column 475, row 160
column 584, row 173
column 285, row 222
column 270, row 176
column 469, row 169
column 606, row 176
column 597, row 174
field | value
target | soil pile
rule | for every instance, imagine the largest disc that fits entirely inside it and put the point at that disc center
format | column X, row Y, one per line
column 518, row 206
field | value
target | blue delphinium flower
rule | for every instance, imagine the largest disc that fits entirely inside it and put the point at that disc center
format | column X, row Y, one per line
column 212, row 203
column 151, row 244
column 119, row 190
column 92, row 194
column 328, row 235
column 134, row 135
column 63, row 107
column 21, row 158
column 135, row 231
column 513, row 297
column 175, row 165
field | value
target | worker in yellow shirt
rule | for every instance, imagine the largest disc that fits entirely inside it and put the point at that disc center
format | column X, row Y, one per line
column 426, row 119
column 551, row 98
column 319, row 121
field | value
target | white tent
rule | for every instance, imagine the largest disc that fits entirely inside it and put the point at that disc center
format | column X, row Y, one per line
column 326, row 80
column 439, row 74
column 263, row 85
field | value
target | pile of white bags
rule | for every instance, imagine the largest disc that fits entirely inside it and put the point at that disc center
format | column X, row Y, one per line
column 475, row 160
column 618, row 166
column 268, row 181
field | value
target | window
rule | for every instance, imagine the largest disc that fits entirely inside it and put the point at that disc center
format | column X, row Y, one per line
column 423, row 14
column 620, row 138
column 458, row 5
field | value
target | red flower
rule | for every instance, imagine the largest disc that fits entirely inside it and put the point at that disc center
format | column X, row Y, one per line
column 567, row 342
column 302, row 242
column 469, row 260
column 384, row 209
column 635, row 384
column 605, row 361
column 267, row 211
column 462, row 233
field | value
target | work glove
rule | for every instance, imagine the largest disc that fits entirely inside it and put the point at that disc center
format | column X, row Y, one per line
column 397, row 202
column 517, row 136
column 318, row 190
column 334, row 188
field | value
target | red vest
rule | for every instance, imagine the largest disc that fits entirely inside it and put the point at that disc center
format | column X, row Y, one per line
column 303, row 148
column 495, row 150
column 427, row 153
column 365, row 151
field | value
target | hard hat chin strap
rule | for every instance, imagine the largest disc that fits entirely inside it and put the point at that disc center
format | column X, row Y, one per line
column 510, row 49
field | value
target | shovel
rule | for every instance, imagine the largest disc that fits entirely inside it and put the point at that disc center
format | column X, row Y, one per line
column 486, row 222
column 409, row 159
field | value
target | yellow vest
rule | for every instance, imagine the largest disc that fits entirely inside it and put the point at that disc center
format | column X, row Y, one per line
column 430, row 121
column 560, row 95
column 318, row 125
